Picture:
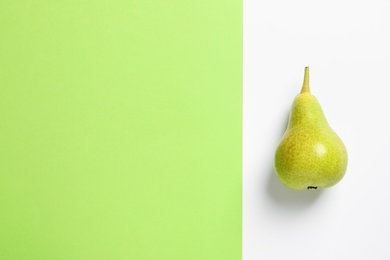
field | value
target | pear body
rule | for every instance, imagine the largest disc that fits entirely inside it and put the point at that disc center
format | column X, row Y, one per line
column 310, row 154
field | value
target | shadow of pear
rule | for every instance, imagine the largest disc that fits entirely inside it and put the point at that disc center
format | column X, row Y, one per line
column 287, row 198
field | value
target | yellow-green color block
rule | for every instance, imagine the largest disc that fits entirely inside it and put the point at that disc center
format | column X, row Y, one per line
column 120, row 129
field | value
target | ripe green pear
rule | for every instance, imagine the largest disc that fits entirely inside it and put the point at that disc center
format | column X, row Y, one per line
column 310, row 154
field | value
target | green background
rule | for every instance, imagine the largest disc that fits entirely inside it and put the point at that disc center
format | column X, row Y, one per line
column 120, row 129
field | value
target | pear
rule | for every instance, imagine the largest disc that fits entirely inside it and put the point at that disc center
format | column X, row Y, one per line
column 310, row 154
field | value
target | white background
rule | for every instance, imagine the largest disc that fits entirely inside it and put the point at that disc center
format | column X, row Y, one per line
column 347, row 46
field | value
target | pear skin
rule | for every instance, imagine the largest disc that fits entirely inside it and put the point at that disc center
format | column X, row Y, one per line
column 310, row 154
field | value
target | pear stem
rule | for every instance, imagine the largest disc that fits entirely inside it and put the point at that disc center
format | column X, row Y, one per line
column 306, row 82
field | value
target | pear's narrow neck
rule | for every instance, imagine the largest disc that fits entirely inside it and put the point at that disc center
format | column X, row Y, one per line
column 306, row 110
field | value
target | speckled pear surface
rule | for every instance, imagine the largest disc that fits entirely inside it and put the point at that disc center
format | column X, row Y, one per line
column 310, row 154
